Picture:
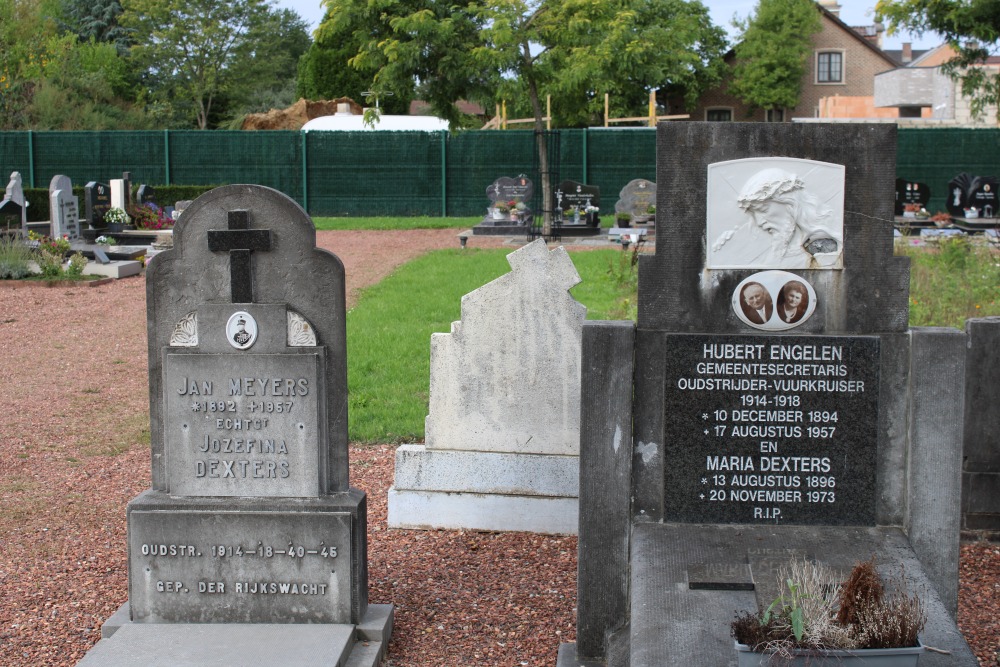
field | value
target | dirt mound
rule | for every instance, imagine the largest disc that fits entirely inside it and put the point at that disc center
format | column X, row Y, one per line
column 297, row 115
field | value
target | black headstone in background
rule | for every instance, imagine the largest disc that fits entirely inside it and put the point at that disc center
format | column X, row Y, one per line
column 96, row 202
column 984, row 196
column 506, row 189
column 571, row 194
column 146, row 194
column 10, row 215
column 909, row 192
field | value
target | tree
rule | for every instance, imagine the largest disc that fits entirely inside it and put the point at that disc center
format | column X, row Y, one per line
column 195, row 51
column 771, row 53
column 491, row 50
column 971, row 28
column 97, row 20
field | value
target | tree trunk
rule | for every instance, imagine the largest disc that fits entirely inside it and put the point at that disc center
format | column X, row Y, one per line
column 541, row 143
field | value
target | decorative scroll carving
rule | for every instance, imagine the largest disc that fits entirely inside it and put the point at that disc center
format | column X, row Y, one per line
column 300, row 332
column 186, row 331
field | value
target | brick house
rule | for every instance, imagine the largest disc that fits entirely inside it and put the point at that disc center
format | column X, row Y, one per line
column 843, row 63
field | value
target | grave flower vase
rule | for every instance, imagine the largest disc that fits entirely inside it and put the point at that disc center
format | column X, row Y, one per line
column 866, row 657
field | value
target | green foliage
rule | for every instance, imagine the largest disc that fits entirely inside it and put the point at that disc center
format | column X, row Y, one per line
column 14, row 258
column 198, row 54
column 971, row 28
column 772, row 52
column 97, row 20
column 952, row 283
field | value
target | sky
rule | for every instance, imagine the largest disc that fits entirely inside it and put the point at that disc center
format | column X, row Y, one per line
column 852, row 12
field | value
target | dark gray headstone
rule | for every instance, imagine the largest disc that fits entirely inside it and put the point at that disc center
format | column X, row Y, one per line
column 251, row 518
column 146, row 194
column 967, row 192
column 14, row 203
column 11, row 216
column 96, row 202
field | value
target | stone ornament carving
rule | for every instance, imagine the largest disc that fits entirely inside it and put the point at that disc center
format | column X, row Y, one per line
column 775, row 213
column 300, row 332
column 186, row 331
column 774, row 300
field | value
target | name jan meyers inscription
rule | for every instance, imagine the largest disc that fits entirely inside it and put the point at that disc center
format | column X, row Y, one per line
column 771, row 429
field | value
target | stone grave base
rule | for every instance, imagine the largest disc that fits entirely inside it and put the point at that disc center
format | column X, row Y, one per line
column 127, row 644
column 689, row 580
column 116, row 269
column 475, row 490
column 499, row 228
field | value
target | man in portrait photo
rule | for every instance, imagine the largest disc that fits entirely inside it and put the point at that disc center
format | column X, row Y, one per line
column 756, row 303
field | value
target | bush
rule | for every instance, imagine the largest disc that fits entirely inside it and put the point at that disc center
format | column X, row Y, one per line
column 14, row 258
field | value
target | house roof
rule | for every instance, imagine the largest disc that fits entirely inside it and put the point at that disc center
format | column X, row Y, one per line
column 853, row 32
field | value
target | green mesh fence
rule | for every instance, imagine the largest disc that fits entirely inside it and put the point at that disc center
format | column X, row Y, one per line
column 410, row 173
column 935, row 156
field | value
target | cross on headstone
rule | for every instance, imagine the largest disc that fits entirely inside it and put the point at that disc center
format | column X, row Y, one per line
column 239, row 240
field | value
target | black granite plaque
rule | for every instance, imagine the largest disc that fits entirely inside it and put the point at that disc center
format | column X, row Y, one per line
column 771, row 429
column 984, row 197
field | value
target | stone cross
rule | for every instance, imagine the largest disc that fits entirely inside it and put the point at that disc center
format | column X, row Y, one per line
column 239, row 240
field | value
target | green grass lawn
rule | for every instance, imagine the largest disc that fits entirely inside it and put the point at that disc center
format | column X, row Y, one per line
column 389, row 329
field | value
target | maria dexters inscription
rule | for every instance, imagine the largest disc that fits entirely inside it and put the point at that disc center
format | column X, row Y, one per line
column 766, row 429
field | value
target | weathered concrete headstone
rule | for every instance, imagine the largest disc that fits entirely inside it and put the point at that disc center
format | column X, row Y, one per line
column 64, row 208
column 910, row 193
column 770, row 401
column 251, row 519
column 503, row 429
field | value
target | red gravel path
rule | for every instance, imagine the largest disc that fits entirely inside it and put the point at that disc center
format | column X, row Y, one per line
column 73, row 452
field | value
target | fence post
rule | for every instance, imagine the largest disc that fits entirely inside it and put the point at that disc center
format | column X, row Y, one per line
column 31, row 159
column 166, row 156
column 585, row 160
column 305, row 171
column 444, row 173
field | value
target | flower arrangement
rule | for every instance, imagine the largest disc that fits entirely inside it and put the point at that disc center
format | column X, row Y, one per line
column 505, row 206
column 521, row 207
column 150, row 216
column 117, row 216
column 815, row 611
column 106, row 240
column 590, row 208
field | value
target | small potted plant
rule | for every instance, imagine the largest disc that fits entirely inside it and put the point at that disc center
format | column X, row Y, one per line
column 117, row 219
column 501, row 209
column 819, row 621
column 623, row 219
column 519, row 211
column 941, row 219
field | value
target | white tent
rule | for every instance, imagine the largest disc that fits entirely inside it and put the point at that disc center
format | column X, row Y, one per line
column 353, row 123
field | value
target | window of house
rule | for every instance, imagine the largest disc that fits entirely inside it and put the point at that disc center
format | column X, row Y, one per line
column 830, row 67
column 719, row 114
column 774, row 115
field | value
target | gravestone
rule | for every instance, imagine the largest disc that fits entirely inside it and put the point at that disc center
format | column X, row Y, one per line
column 121, row 192
column 13, row 207
column 250, row 519
column 96, row 202
column 146, row 194
column 506, row 190
column 636, row 198
column 910, row 192
column 572, row 196
column 179, row 207
column 502, row 435
column 64, row 208
column 972, row 197
column 770, row 402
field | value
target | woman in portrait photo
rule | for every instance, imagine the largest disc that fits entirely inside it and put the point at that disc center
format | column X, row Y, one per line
column 793, row 300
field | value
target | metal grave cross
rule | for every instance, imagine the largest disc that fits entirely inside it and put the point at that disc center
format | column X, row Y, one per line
column 239, row 240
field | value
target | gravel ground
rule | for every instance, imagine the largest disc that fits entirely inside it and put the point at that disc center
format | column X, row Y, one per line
column 72, row 454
